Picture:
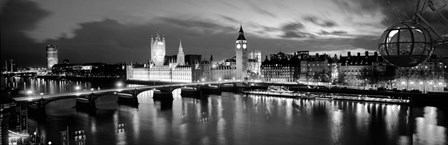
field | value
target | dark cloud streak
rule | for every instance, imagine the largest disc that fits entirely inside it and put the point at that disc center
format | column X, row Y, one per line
column 341, row 33
column 318, row 21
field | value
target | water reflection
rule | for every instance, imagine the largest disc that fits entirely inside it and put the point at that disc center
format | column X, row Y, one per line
column 244, row 119
column 47, row 86
column 427, row 130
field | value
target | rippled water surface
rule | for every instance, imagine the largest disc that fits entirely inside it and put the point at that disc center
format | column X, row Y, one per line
column 245, row 119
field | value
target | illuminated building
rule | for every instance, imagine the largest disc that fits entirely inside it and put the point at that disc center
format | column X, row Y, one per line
column 180, row 55
column 191, row 68
column 280, row 67
column 175, row 68
column 158, row 50
column 351, row 68
column 317, row 68
column 241, row 55
column 10, row 65
column 427, row 76
column 52, row 55
column 254, row 63
column 138, row 74
column 89, row 70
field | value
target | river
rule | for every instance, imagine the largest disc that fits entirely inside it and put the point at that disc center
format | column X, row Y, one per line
column 234, row 119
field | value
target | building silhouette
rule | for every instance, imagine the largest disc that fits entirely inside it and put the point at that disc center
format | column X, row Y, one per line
column 158, row 49
column 192, row 68
column 52, row 55
column 180, row 55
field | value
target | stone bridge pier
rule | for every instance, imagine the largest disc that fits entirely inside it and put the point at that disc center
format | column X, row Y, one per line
column 38, row 107
column 128, row 98
column 86, row 103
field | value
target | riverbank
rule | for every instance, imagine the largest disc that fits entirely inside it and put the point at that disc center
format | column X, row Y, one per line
column 82, row 78
column 416, row 98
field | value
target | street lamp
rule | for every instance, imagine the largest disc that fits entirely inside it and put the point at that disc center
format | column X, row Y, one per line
column 119, row 84
column 29, row 92
column 77, row 88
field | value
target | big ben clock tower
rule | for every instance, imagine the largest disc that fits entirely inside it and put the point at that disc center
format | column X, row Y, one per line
column 241, row 55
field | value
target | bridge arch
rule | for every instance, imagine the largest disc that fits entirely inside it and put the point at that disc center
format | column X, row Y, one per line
column 95, row 96
column 145, row 97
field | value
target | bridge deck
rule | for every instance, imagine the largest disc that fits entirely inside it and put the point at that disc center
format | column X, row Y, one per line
column 33, row 98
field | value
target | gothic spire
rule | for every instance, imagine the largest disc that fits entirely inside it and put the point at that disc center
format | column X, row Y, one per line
column 241, row 35
column 180, row 46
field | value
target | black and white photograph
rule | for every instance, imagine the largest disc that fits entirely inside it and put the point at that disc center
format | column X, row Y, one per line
column 224, row 72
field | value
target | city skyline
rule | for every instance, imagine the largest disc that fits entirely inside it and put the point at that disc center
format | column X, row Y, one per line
column 86, row 32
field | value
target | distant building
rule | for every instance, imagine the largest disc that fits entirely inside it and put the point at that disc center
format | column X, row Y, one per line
column 353, row 67
column 318, row 68
column 427, row 76
column 191, row 59
column 281, row 67
column 52, row 55
column 193, row 68
column 10, row 65
column 180, row 55
column 166, row 68
column 89, row 70
column 254, row 63
column 158, row 50
column 241, row 55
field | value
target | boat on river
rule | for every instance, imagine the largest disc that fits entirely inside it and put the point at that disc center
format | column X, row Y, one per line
column 281, row 91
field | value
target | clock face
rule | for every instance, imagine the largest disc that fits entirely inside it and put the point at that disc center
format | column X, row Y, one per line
column 244, row 46
column 238, row 46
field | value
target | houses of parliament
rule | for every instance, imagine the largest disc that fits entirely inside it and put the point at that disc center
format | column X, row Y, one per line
column 193, row 68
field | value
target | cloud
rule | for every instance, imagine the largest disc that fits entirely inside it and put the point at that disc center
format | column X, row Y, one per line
column 323, row 32
column 201, row 26
column 297, row 34
column 105, row 41
column 263, row 11
column 292, row 26
column 360, row 7
column 229, row 19
column 106, row 38
column 111, row 41
column 295, row 30
column 393, row 10
column 318, row 21
column 16, row 18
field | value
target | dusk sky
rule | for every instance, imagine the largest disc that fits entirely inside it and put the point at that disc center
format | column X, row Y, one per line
column 119, row 30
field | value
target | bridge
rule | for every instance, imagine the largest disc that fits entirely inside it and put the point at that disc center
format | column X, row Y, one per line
column 21, row 73
column 86, row 99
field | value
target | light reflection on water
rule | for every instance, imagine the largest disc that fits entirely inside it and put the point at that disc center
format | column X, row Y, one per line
column 240, row 119
column 247, row 120
column 427, row 130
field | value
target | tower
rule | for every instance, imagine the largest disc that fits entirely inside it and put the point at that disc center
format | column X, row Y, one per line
column 180, row 55
column 158, row 50
column 52, row 55
column 241, row 55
